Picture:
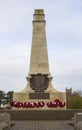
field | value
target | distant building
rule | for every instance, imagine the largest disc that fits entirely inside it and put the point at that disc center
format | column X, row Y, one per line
column 68, row 95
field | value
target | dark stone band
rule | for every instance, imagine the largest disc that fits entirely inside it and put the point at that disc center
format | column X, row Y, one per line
column 38, row 95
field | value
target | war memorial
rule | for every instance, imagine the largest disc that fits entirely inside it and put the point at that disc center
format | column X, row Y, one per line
column 40, row 106
column 39, row 92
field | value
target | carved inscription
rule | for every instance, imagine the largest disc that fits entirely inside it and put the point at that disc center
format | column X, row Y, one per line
column 39, row 95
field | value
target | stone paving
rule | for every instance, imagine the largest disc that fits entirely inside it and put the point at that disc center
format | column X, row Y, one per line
column 41, row 125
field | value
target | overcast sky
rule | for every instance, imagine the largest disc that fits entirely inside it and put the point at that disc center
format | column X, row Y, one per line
column 64, row 41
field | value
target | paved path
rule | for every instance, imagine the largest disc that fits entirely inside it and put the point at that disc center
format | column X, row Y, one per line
column 41, row 125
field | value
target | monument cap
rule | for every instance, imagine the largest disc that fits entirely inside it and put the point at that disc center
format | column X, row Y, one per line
column 39, row 11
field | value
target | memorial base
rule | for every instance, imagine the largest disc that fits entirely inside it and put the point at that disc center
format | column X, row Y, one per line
column 32, row 97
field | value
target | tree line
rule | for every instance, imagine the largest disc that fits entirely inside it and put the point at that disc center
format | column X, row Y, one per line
column 75, row 100
column 6, row 98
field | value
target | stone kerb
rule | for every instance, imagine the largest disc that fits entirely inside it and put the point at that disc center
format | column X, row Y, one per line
column 4, row 121
column 78, row 121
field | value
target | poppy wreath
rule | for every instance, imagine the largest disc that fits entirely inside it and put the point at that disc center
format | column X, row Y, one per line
column 27, row 104
column 56, row 103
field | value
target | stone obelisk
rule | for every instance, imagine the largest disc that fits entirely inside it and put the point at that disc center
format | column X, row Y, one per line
column 39, row 86
column 39, row 54
column 39, row 66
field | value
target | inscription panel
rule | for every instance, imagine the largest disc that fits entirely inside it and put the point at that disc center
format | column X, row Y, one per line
column 39, row 95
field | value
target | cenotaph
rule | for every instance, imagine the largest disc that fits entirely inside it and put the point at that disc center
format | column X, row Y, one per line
column 39, row 92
